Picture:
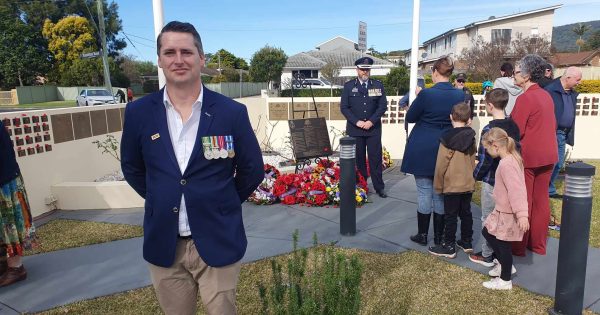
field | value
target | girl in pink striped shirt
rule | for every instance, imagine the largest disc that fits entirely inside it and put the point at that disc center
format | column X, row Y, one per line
column 509, row 220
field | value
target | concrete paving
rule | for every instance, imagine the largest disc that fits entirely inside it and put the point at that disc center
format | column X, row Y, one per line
column 383, row 225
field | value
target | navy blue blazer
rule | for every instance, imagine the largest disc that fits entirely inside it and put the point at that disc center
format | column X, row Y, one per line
column 556, row 89
column 9, row 169
column 430, row 112
column 214, row 189
column 356, row 104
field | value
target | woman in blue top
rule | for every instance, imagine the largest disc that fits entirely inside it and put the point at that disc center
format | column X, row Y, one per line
column 17, row 232
column 431, row 114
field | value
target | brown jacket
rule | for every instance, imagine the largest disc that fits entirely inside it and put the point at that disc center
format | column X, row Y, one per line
column 455, row 162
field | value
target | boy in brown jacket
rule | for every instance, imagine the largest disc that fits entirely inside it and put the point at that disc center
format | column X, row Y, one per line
column 454, row 179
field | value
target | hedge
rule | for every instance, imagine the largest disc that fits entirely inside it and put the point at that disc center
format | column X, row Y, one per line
column 586, row 86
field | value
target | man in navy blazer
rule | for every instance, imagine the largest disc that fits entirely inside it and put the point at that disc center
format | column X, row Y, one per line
column 564, row 96
column 363, row 102
column 192, row 155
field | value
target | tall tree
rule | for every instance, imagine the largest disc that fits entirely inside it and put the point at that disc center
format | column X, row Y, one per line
column 580, row 30
column 67, row 40
column 23, row 53
column 267, row 64
column 483, row 59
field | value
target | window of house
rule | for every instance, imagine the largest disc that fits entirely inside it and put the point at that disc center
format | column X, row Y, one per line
column 535, row 31
column 450, row 41
column 307, row 73
column 501, row 36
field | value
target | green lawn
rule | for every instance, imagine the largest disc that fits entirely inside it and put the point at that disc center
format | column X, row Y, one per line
column 62, row 234
column 556, row 205
column 405, row 283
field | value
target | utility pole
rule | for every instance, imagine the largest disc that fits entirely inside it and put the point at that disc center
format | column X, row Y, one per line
column 104, row 50
column 157, row 8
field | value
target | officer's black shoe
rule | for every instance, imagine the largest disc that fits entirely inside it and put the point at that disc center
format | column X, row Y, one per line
column 382, row 194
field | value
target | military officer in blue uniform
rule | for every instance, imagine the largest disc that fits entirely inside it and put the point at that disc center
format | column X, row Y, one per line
column 363, row 103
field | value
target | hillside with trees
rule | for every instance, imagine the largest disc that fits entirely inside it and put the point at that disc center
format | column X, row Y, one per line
column 564, row 39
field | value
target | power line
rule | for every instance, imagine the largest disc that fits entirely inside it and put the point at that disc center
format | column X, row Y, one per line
column 140, row 37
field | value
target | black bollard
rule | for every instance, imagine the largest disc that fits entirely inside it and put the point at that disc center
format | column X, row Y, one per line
column 347, row 186
column 574, row 239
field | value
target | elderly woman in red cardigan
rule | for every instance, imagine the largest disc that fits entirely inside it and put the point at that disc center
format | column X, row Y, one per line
column 534, row 114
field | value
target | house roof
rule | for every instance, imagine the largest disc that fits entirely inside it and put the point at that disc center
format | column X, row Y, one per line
column 342, row 37
column 316, row 59
column 491, row 20
column 573, row 59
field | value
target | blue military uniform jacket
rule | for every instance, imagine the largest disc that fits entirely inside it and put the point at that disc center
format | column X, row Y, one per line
column 358, row 103
column 213, row 188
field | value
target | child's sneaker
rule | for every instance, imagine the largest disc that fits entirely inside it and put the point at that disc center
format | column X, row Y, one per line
column 498, row 284
column 478, row 258
column 443, row 250
column 465, row 245
column 495, row 272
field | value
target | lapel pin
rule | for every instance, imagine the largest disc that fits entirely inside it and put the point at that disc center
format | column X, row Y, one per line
column 155, row 136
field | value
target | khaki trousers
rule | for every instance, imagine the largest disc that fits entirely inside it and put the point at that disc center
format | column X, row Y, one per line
column 177, row 287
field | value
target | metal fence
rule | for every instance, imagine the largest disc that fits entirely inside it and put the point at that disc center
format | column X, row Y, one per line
column 237, row 89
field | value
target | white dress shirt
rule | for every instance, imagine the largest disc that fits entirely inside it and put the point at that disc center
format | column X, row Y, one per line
column 183, row 137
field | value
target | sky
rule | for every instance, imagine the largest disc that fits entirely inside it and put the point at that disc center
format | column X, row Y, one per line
column 243, row 27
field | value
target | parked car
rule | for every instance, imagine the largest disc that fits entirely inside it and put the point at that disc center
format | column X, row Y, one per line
column 89, row 97
column 319, row 83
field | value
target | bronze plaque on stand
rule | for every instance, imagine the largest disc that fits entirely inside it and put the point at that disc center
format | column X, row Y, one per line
column 310, row 138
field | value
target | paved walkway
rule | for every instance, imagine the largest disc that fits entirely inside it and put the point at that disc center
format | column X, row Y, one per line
column 66, row 276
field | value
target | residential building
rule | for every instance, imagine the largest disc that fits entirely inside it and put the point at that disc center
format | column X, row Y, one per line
column 339, row 50
column 587, row 61
column 502, row 30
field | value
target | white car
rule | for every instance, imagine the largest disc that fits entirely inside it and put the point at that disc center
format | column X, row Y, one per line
column 89, row 97
column 319, row 83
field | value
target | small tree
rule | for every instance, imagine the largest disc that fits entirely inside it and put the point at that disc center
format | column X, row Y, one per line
column 397, row 81
column 483, row 59
column 521, row 46
column 331, row 71
column 580, row 29
column 267, row 64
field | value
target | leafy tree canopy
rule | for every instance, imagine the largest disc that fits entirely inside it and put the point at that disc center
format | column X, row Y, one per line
column 23, row 53
column 267, row 64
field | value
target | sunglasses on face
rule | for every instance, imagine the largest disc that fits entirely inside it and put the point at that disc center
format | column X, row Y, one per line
column 460, row 81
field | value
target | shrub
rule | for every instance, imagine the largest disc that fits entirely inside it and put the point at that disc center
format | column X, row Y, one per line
column 329, row 284
column 588, row 86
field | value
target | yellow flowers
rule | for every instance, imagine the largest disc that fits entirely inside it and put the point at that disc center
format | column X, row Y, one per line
column 358, row 199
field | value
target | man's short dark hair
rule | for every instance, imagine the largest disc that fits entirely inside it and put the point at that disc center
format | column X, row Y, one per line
column 497, row 97
column 181, row 27
column 461, row 112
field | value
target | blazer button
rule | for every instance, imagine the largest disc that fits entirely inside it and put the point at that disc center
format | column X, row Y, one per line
column 183, row 182
column 175, row 209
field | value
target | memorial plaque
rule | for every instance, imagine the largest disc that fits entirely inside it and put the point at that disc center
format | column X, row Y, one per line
column 322, row 109
column 99, row 126
column 336, row 113
column 278, row 111
column 113, row 117
column 62, row 128
column 82, row 127
column 300, row 110
column 310, row 138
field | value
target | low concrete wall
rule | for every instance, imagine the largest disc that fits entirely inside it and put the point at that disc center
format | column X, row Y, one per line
column 90, row 195
column 74, row 159
column 278, row 110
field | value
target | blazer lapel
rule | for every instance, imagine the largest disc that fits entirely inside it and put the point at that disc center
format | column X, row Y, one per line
column 160, row 115
column 206, row 118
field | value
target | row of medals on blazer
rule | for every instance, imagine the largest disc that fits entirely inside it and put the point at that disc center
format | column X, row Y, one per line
column 218, row 147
